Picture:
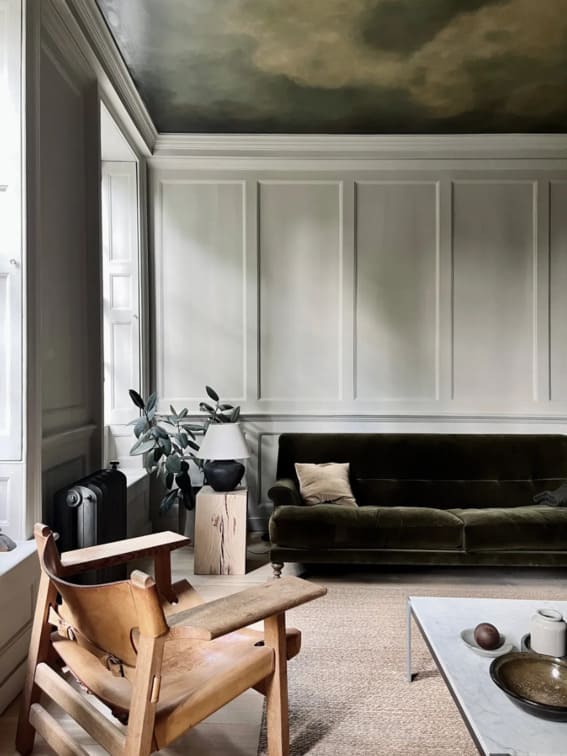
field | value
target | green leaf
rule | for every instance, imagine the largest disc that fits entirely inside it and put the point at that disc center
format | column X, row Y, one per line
column 148, row 462
column 157, row 454
column 172, row 408
column 173, row 464
column 190, row 427
column 152, row 402
column 170, row 427
column 224, row 407
column 162, row 433
column 169, row 480
column 183, row 481
column 141, row 447
column 192, row 445
column 184, row 412
column 140, row 426
column 212, row 393
column 235, row 414
column 168, row 501
column 204, row 407
column 137, row 399
column 165, row 444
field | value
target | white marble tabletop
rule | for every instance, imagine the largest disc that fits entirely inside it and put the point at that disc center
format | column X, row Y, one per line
column 500, row 726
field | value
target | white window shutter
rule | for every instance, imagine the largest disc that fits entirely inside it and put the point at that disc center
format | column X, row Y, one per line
column 12, row 510
column 121, row 289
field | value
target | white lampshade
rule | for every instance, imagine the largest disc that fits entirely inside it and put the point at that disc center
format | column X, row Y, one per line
column 223, row 441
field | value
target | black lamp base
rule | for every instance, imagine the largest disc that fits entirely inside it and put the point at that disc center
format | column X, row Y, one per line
column 223, row 475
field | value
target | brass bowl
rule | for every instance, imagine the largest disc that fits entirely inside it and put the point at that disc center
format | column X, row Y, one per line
column 536, row 683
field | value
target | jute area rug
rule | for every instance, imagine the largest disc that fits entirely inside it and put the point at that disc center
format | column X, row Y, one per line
column 347, row 689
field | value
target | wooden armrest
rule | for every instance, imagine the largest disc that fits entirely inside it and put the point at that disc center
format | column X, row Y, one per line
column 107, row 554
column 225, row 615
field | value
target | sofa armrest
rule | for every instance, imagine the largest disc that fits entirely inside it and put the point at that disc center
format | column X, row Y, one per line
column 285, row 491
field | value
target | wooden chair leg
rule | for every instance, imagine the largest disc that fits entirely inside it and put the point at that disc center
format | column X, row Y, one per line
column 145, row 697
column 39, row 652
column 277, row 718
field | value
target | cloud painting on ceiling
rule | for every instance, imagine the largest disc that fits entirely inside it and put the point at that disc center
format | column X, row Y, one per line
column 347, row 66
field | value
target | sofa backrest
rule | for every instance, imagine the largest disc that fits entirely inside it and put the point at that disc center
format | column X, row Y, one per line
column 446, row 471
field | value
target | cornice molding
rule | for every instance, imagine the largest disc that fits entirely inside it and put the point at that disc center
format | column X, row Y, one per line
column 100, row 40
column 326, row 146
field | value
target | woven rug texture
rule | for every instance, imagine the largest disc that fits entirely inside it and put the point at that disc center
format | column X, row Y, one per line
column 347, row 689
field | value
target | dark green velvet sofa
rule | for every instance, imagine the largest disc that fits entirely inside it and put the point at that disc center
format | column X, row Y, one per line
column 442, row 499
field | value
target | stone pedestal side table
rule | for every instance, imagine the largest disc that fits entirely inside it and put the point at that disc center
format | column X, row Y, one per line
column 220, row 532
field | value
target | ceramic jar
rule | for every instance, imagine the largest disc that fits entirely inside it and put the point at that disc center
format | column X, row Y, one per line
column 548, row 633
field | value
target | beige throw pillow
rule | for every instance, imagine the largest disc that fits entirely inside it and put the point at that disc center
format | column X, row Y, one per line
column 325, row 484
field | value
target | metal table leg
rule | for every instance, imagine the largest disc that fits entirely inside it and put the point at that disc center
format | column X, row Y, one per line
column 409, row 675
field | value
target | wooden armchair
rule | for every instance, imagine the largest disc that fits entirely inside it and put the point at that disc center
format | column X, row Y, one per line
column 159, row 657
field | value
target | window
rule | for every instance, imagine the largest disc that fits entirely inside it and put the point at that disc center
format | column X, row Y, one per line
column 12, row 510
column 120, row 272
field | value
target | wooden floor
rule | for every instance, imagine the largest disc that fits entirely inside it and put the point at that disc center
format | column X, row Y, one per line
column 234, row 730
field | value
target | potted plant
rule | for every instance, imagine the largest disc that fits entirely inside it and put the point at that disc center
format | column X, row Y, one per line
column 168, row 442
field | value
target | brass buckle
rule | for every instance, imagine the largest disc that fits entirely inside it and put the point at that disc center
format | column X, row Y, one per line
column 113, row 662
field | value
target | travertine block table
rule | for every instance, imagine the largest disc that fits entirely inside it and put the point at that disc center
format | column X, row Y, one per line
column 220, row 532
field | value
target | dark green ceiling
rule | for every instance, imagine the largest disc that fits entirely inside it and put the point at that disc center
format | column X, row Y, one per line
column 347, row 66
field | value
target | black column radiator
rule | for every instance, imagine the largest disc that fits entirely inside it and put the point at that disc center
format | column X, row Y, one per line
column 90, row 512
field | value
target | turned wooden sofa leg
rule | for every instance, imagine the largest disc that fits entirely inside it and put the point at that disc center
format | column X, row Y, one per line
column 277, row 568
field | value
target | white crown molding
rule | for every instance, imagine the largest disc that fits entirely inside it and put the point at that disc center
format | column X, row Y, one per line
column 112, row 70
column 450, row 146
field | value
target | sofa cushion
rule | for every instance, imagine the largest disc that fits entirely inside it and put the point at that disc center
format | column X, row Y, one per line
column 327, row 526
column 450, row 494
column 531, row 528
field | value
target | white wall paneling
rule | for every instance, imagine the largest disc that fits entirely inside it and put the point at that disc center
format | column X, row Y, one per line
column 360, row 292
column 494, row 291
column 64, row 253
column 300, row 289
column 200, row 291
column 18, row 589
column 65, row 337
column 121, row 292
column 558, row 289
column 397, row 290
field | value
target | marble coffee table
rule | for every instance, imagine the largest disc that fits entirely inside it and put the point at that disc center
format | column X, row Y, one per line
column 497, row 726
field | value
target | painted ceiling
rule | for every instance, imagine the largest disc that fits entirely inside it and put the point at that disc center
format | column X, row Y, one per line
column 347, row 66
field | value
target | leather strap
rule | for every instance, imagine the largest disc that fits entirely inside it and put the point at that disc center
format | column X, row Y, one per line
column 112, row 663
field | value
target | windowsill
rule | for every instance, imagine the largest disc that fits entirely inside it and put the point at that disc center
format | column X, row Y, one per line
column 133, row 475
column 9, row 560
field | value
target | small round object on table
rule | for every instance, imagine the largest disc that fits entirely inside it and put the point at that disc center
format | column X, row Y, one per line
column 487, row 636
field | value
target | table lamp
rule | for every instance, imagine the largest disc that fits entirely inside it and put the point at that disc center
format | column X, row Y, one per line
column 222, row 445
